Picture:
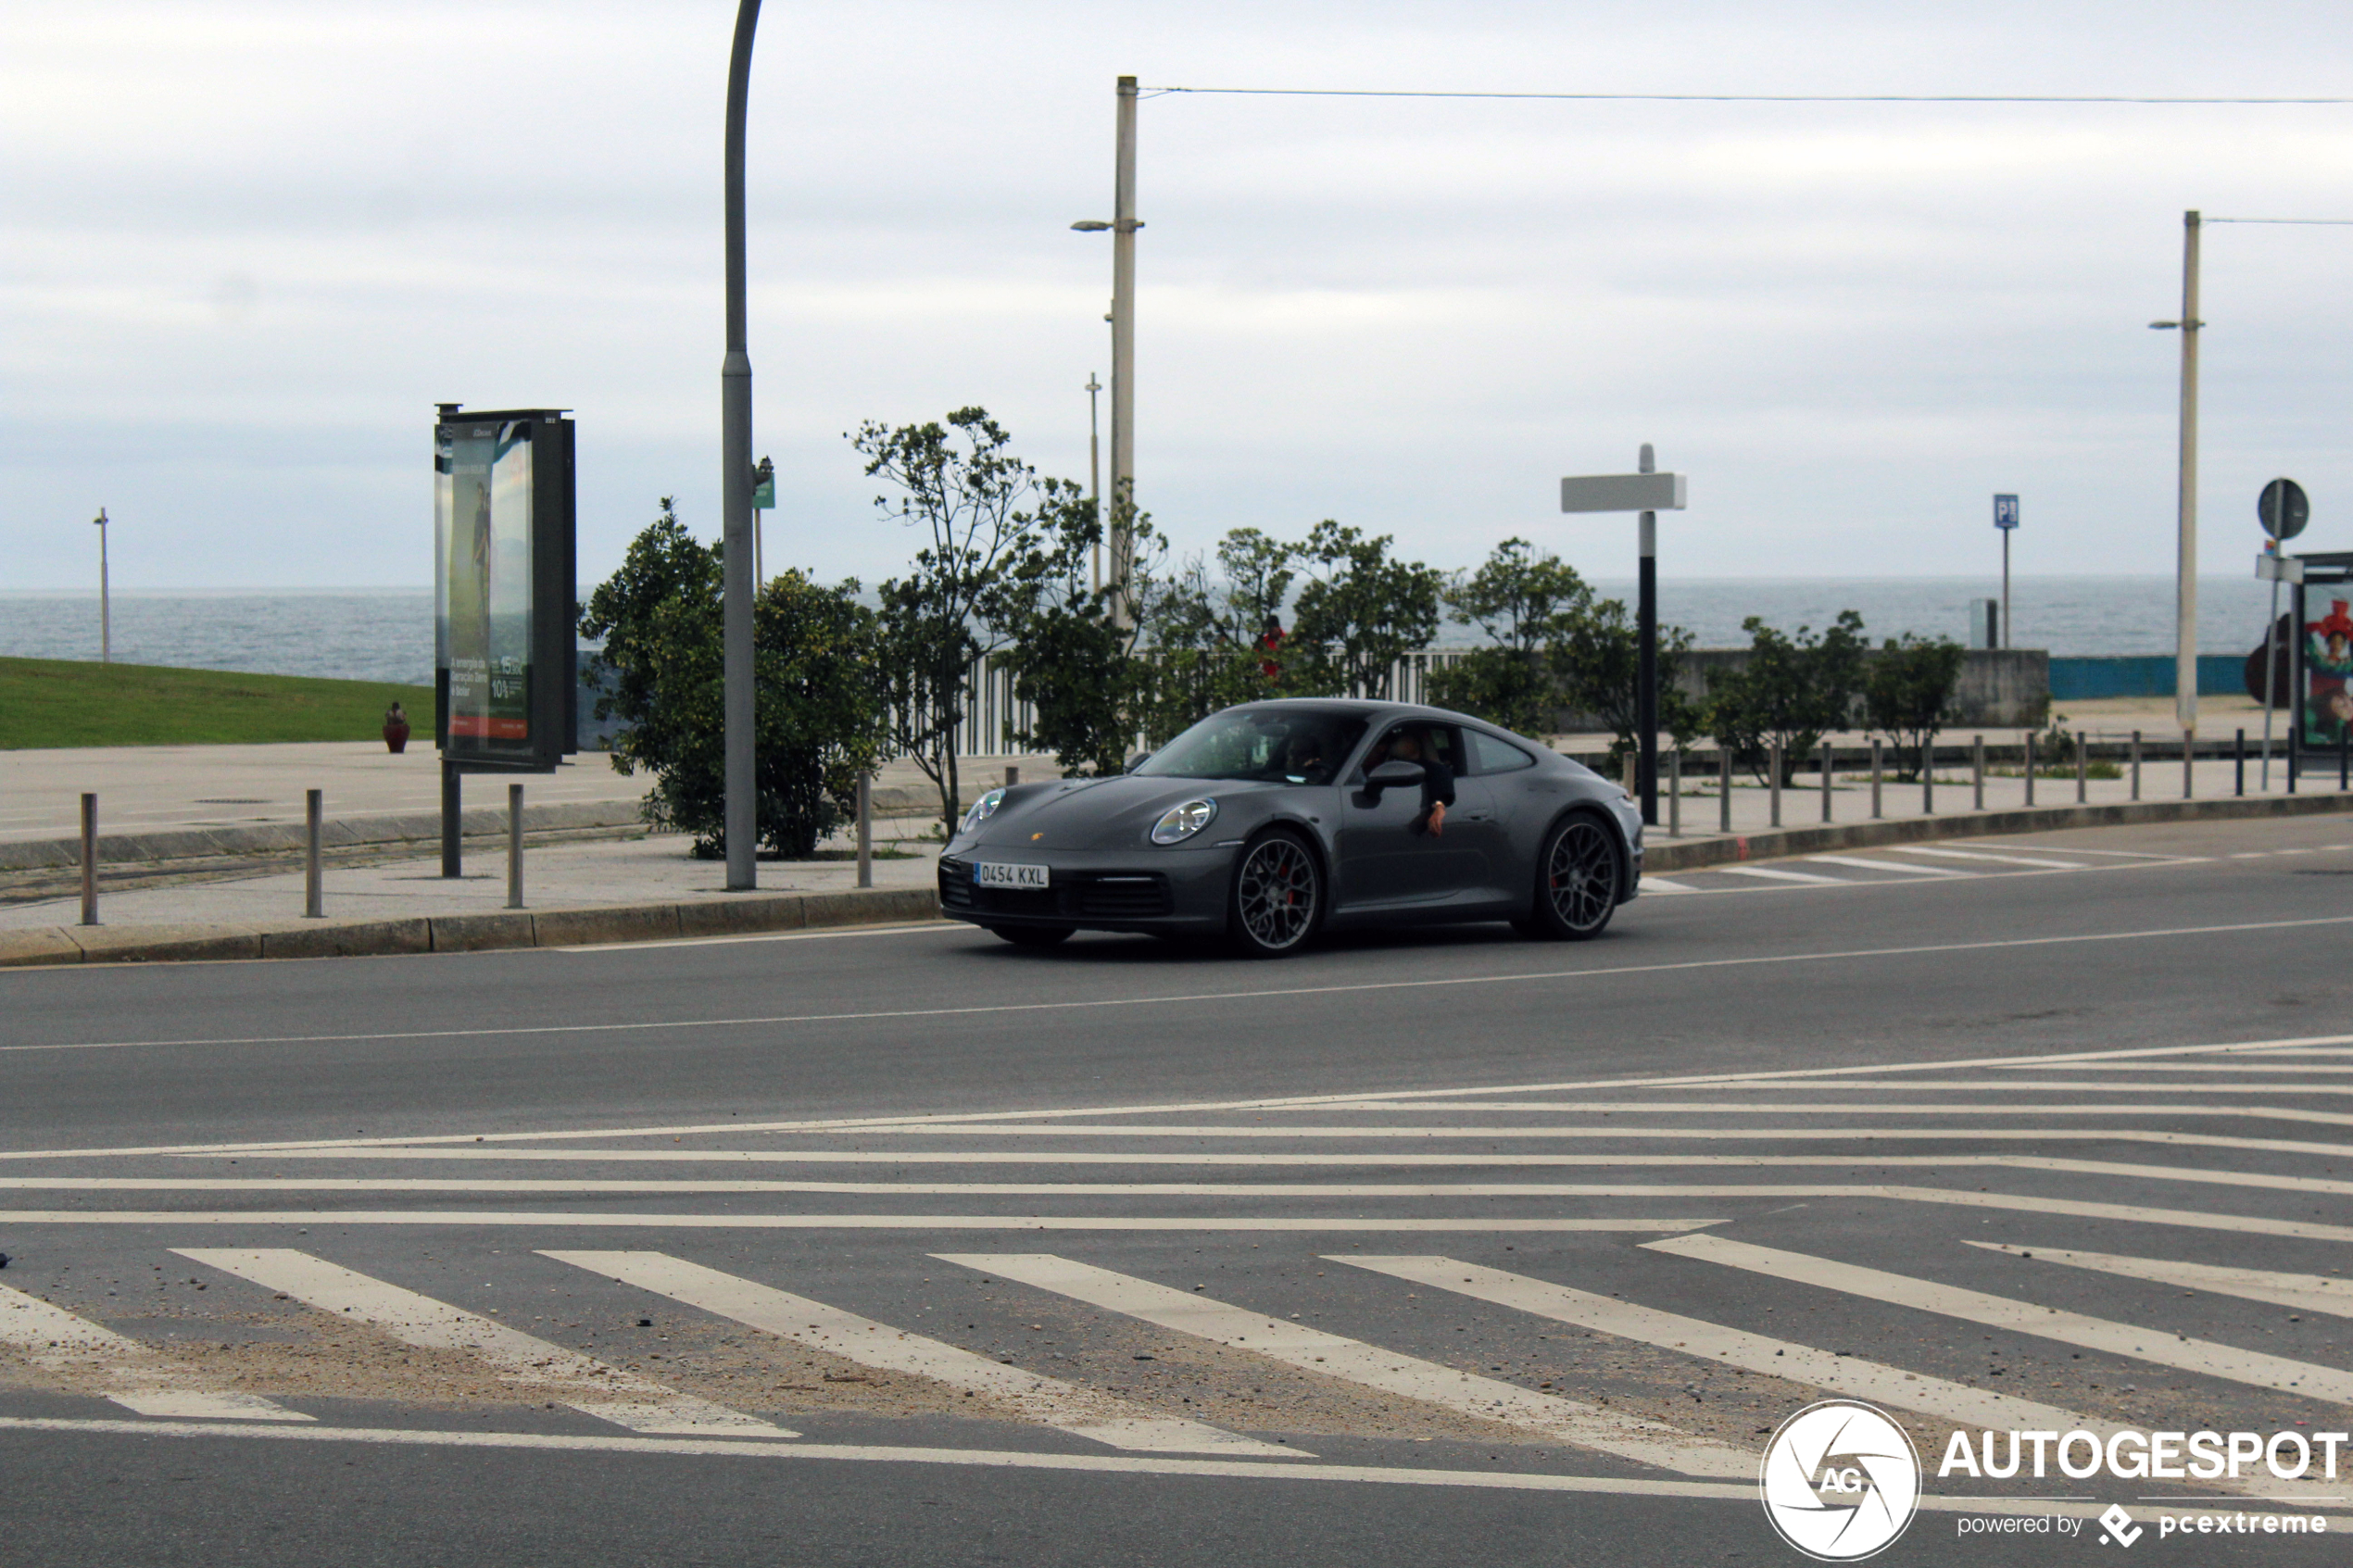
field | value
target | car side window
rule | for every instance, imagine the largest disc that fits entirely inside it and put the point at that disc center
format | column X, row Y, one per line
column 1491, row 756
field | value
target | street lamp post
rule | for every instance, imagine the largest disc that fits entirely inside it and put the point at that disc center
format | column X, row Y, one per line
column 106, row 595
column 2185, row 593
column 735, row 485
column 1123, row 227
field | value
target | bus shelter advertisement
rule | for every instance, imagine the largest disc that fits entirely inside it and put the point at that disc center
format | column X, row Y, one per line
column 483, row 512
column 2328, row 667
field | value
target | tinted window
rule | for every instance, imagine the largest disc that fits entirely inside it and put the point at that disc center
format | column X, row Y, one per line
column 1436, row 742
column 1279, row 745
column 1491, row 756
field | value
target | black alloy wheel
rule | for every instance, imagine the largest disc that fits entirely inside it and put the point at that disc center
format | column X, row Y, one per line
column 1278, row 899
column 1033, row 935
column 1577, row 881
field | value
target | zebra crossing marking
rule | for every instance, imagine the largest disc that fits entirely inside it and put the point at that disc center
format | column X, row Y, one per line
column 2311, row 1293
column 1353, row 1360
column 1897, row 866
column 587, row 1384
column 133, row 1374
column 2157, row 1346
column 1773, row 873
column 2037, row 861
column 1050, row 1401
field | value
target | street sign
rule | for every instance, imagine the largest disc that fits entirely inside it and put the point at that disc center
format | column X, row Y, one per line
column 2270, row 568
column 763, row 486
column 2006, row 512
column 1623, row 493
column 2283, row 509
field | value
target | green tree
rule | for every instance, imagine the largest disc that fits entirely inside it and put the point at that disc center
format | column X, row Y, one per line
column 1598, row 664
column 1525, row 602
column 1907, row 692
column 1361, row 611
column 964, row 491
column 1794, row 689
column 1074, row 656
column 1203, row 632
column 817, row 695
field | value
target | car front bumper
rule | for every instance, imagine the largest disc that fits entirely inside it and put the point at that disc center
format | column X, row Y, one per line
column 1172, row 891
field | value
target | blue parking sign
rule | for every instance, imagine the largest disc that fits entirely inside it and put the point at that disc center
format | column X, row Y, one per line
column 2006, row 512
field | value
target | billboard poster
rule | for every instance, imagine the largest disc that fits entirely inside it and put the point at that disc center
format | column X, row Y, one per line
column 2326, row 703
column 482, row 501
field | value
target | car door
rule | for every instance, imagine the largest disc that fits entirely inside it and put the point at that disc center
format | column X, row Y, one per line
column 1384, row 861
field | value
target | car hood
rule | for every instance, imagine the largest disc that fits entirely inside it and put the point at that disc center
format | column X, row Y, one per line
column 1113, row 813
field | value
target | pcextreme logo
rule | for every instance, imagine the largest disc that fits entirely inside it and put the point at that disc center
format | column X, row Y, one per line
column 1840, row 1481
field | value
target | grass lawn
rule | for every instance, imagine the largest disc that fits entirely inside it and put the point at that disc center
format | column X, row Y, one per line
column 51, row 702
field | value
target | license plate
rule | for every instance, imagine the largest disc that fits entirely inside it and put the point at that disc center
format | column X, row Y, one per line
column 989, row 874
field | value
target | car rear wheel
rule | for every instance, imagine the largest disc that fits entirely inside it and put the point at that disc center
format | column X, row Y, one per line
column 1033, row 935
column 1578, row 879
column 1278, row 899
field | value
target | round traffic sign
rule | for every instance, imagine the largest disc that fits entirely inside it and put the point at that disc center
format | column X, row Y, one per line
column 2284, row 509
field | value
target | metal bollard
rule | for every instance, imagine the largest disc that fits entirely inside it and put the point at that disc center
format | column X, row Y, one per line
column 2238, row 758
column 1977, row 774
column 2294, row 771
column 1675, row 793
column 1773, row 766
column 2345, row 758
column 314, row 880
column 89, row 859
column 1626, row 778
column 2082, row 766
column 514, row 846
column 1875, row 778
column 1829, row 761
column 1012, row 776
column 2189, row 757
column 1928, row 778
column 865, row 830
column 2137, row 764
column 1724, row 788
column 2029, row 767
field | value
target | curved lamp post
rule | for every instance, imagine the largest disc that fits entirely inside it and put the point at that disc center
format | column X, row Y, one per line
column 735, row 487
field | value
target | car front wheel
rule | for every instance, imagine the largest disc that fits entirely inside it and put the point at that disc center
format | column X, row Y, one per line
column 1278, row 898
column 1578, row 880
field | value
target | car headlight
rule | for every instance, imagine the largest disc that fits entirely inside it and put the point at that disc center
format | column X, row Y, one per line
column 981, row 810
column 1180, row 822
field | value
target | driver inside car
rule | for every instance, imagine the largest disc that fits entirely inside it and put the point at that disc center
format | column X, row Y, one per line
column 1438, row 780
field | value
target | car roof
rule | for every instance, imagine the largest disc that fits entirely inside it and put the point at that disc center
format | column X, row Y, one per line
column 1367, row 708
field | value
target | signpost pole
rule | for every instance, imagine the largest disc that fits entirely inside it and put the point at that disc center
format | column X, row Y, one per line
column 2185, row 596
column 2283, row 509
column 1646, row 630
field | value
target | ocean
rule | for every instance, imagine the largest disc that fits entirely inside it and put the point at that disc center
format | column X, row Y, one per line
column 377, row 635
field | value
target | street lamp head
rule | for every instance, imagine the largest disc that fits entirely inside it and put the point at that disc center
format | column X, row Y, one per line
column 100, row 520
column 2163, row 326
column 1090, row 226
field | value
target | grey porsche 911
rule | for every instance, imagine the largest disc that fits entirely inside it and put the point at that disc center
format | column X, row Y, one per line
column 1268, row 823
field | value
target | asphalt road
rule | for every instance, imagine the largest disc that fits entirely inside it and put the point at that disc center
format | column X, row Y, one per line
column 909, row 1247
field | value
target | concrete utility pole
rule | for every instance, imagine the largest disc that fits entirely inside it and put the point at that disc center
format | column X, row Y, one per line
column 1095, row 467
column 1123, row 227
column 2185, row 593
column 735, row 487
column 1646, row 677
column 106, row 595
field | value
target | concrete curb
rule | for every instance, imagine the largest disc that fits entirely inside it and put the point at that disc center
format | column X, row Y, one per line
column 1686, row 855
column 487, row 932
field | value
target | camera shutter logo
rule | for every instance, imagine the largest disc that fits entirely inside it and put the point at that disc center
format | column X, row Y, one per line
column 1840, row 1481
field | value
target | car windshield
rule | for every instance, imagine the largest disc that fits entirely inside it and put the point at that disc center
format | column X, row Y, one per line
column 1278, row 745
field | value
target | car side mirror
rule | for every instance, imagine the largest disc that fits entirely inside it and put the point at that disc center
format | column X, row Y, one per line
column 1136, row 761
column 1392, row 775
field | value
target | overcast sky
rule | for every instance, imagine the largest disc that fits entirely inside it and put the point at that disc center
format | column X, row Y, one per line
column 248, row 246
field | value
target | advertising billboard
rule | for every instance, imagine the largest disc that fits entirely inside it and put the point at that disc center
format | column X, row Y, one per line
column 503, row 588
column 2325, row 701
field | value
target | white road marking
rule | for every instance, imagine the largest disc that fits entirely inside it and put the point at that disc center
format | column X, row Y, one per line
column 933, row 927
column 1985, row 855
column 1705, row 1341
column 133, row 1374
column 1742, row 1492
column 2106, row 854
column 2240, row 1066
column 1592, row 1108
column 2311, row 1293
column 1050, row 1401
column 2155, row 1345
column 1661, row 884
column 2293, row 1045
column 1200, row 998
column 1896, row 866
column 590, row 1219
column 1772, row 874
column 1352, row 1360
column 587, row 1384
